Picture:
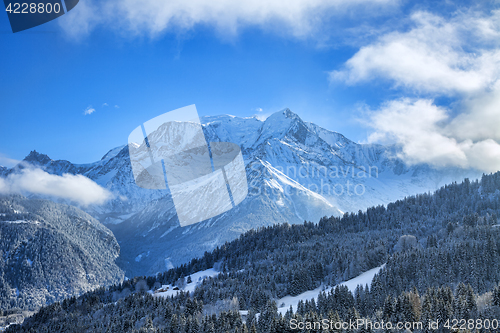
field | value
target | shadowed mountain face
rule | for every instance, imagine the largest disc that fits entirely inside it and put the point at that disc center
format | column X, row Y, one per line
column 51, row 251
column 296, row 171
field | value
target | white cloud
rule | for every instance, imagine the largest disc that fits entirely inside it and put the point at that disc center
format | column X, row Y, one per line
column 81, row 19
column 480, row 117
column 259, row 109
column 7, row 162
column 105, row 104
column 457, row 57
column 262, row 116
column 436, row 56
column 296, row 17
column 77, row 188
column 3, row 186
column 89, row 110
column 426, row 133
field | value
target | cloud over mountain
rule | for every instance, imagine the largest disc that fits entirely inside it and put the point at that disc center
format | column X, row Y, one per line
column 457, row 58
column 425, row 135
column 76, row 188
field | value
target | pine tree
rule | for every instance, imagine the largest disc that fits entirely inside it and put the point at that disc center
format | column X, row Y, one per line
column 496, row 296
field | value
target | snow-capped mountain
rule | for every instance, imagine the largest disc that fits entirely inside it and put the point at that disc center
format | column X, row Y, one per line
column 296, row 171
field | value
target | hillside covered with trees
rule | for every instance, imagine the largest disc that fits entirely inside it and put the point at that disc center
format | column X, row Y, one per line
column 441, row 253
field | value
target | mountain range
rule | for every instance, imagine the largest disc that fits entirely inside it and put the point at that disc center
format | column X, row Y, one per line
column 296, row 171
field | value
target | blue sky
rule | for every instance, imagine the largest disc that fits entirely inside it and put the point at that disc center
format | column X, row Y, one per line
column 415, row 75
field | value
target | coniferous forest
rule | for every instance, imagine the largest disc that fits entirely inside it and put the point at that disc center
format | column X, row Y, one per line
column 441, row 253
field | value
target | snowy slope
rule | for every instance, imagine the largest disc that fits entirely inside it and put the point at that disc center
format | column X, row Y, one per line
column 362, row 279
column 283, row 303
column 197, row 278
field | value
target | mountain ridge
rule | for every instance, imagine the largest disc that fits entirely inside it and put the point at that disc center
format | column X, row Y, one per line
column 296, row 171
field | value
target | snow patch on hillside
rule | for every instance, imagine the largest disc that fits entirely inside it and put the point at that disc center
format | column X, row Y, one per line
column 168, row 231
column 362, row 279
column 197, row 278
column 21, row 221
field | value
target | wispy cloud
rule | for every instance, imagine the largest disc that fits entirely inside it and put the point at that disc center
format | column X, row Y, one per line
column 436, row 56
column 296, row 17
column 7, row 161
column 76, row 188
column 262, row 116
column 89, row 110
column 458, row 58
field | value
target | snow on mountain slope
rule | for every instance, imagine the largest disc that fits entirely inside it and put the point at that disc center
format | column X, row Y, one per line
column 283, row 303
column 112, row 153
column 362, row 279
column 156, row 229
column 296, row 171
column 196, row 279
column 243, row 131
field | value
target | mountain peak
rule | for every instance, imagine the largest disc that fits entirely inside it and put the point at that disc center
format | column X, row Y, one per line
column 35, row 157
column 285, row 116
column 289, row 114
column 113, row 152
